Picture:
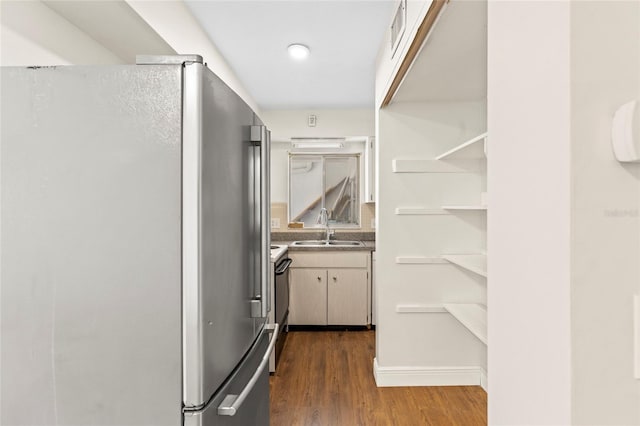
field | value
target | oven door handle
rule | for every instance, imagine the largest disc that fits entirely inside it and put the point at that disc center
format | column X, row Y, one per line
column 283, row 266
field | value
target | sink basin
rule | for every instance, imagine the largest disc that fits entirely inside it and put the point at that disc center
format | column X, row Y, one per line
column 322, row 243
column 346, row 243
column 309, row 243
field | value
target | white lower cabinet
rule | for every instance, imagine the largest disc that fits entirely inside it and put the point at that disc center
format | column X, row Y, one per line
column 308, row 296
column 347, row 297
column 330, row 288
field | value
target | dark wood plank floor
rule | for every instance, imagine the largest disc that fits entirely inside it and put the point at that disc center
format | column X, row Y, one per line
column 325, row 379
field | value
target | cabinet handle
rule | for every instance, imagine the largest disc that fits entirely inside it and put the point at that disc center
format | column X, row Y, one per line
column 335, row 279
column 319, row 279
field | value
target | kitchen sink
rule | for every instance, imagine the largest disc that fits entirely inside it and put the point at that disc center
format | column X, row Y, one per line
column 346, row 243
column 309, row 243
column 322, row 243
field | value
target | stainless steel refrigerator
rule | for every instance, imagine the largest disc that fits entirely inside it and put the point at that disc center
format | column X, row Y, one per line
column 134, row 251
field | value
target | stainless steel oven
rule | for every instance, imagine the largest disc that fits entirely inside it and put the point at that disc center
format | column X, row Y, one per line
column 281, row 290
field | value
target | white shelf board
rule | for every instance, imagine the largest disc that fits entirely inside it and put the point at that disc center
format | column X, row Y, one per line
column 401, row 165
column 476, row 263
column 420, row 260
column 420, row 211
column 478, row 148
column 478, row 207
column 471, row 315
column 420, row 309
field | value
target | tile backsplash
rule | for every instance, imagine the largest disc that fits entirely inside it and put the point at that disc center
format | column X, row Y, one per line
column 279, row 217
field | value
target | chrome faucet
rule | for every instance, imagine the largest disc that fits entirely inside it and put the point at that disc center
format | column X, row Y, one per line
column 323, row 219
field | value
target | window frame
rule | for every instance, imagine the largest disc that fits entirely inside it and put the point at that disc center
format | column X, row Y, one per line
column 324, row 155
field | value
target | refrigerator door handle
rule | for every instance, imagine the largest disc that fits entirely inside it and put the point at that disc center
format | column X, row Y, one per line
column 231, row 403
column 261, row 136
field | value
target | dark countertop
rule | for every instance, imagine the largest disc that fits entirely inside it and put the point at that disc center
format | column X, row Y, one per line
column 368, row 238
column 368, row 246
column 278, row 237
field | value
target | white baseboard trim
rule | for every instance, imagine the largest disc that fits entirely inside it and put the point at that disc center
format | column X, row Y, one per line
column 428, row 376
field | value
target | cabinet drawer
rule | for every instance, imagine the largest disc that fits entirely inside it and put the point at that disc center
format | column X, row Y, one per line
column 333, row 259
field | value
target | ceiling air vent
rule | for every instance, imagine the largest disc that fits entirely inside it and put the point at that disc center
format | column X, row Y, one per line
column 397, row 26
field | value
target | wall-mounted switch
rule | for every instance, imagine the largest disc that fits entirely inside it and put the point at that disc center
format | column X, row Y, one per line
column 312, row 120
column 275, row 223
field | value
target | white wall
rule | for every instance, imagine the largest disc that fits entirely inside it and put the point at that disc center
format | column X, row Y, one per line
column 605, row 73
column 33, row 34
column 529, row 182
column 422, row 344
column 564, row 253
column 279, row 172
column 173, row 21
column 287, row 124
column 16, row 50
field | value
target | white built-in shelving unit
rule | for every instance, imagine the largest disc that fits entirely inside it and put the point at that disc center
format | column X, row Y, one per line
column 432, row 173
column 421, row 309
column 473, row 148
column 472, row 315
column 421, row 260
column 476, row 263
column 417, row 165
column 417, row 211
column 469, row 208
column 468, row 157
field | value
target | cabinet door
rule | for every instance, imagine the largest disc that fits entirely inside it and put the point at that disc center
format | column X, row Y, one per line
column 347, row 297
column 308, row 297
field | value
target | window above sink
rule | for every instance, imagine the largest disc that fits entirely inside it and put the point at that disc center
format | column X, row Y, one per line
column 330, row 181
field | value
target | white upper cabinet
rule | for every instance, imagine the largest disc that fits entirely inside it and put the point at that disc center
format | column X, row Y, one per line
column 390, row 56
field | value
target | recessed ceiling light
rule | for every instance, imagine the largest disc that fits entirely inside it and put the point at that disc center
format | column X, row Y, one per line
column 298, row 51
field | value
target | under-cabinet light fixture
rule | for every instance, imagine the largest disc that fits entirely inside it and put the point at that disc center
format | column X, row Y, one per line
column 318, row 145
column 312, row 143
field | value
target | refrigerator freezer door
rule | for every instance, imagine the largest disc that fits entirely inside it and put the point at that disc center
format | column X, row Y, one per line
column 255, row 409
column 221, row 233
column 90, row 260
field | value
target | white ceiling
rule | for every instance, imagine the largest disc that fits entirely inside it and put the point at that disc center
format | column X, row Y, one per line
column 344, row 37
